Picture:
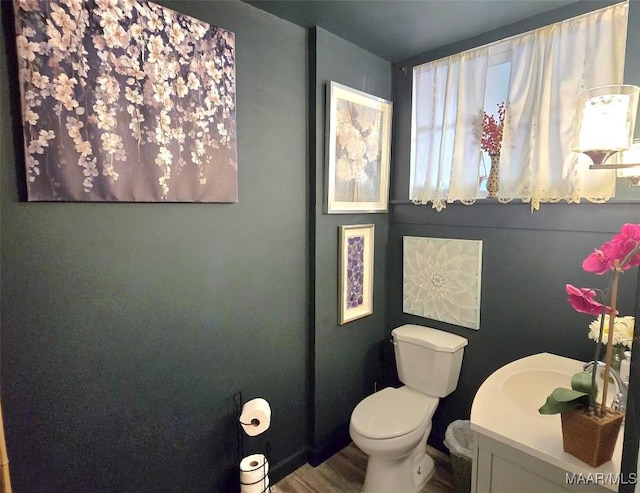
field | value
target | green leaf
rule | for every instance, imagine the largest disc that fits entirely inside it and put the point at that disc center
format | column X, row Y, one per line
column 582, row 383
column 552, row 406
column 562, row 400
column 567, row 395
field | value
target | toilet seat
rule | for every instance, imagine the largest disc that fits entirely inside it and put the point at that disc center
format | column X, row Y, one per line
column 392, row 413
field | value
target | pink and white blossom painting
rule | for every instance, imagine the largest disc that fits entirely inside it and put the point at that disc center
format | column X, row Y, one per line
column 125, row 100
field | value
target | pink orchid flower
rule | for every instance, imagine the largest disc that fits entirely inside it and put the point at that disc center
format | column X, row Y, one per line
column 628, row 240
column 583, row 300
column 621, row 245
column 601, row 260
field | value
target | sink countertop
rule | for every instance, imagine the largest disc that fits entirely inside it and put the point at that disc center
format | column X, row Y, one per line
column 500, row 413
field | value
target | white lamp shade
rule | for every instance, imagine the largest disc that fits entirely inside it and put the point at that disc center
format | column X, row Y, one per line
column 605, row 118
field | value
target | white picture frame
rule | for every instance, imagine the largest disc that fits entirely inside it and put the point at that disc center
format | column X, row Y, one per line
column 356, row 264
column 358, row 151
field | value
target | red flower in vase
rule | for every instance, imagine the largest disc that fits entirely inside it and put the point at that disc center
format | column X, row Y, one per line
column 492, row 130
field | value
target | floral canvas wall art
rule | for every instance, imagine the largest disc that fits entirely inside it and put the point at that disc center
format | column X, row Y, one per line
column 442, row 279
column 125, row 100
column 356, row 272
column 359, row 135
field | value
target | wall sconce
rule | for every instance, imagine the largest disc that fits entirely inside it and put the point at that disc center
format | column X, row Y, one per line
column 604, row 124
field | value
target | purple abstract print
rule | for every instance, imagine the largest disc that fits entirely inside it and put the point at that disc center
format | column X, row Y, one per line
column 355, row 272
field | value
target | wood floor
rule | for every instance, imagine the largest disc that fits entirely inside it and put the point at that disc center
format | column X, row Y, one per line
column 344, row 473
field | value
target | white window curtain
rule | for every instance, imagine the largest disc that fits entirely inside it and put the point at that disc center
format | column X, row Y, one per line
column 447, row 114
column 549, row 66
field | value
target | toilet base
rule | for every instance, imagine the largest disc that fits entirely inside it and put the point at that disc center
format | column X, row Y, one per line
column 423, row 472
column 406, row 475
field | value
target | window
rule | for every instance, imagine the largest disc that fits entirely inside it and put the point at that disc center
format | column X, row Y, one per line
column 537, row 75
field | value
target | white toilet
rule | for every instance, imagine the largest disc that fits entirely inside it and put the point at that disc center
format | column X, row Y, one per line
column 392, row 425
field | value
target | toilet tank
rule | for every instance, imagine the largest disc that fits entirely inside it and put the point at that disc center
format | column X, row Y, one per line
column 428, row 360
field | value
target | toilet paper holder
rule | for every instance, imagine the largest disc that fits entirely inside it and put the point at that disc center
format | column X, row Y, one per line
column 237, row 399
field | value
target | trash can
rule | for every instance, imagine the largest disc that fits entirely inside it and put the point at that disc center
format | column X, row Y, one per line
column 459, row 440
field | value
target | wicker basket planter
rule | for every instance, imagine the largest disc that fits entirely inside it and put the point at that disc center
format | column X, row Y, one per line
column 590, row 439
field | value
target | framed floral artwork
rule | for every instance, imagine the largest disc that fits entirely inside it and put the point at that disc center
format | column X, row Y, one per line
column 125, row 100
column 442, row 279
column 358, row 151
column 355, row 272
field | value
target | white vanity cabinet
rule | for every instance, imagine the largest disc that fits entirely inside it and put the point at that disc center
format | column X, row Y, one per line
column 518, row 450
column 499, row 468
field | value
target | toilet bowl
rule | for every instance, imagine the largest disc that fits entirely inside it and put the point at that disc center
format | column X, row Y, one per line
column 391, row 427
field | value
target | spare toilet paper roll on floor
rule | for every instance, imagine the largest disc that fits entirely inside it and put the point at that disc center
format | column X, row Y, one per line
column 259, row 487
column 253, row 468
column 254, row 471
column 255, row 417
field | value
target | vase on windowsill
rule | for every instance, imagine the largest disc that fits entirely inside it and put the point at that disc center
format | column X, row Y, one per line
column 493, row 182
column 491, row 143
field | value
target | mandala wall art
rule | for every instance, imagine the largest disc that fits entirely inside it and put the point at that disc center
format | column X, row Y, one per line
column 125, row 100
column 442, row 279
column 358, row 151
column 356, row 272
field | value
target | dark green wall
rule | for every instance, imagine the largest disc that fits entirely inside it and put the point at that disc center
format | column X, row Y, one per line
column 127, row 328
column 527, row 257
column 346, row 359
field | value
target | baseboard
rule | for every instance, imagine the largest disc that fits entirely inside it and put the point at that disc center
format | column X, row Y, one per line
column 319, row 454
column 287, row 465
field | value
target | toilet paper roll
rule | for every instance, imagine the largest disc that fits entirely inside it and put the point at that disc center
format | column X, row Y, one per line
column 255, row 417
column 259, row 487
column 253, row 469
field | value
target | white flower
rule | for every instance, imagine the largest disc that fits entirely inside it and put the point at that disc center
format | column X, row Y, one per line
column 193, row 82
column 109, row 6
column 622, row 330
column 90, row 169
column 31, row 117
column 155, row 47
column 154, row 23
column 29, row 5
column 111, row 142
column 75, row 6
column 181, row 87
column 198, row 29
column 164, row 157
column 27, row 49
column 162, row 93
column 45, row 136
column 83, row 147
column 73, row 127
column 176, row 33
column 63, row 90
column 61, row 18
column 133, row 95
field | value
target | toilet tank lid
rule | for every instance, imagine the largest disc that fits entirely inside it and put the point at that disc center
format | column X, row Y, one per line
column 437, row 340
